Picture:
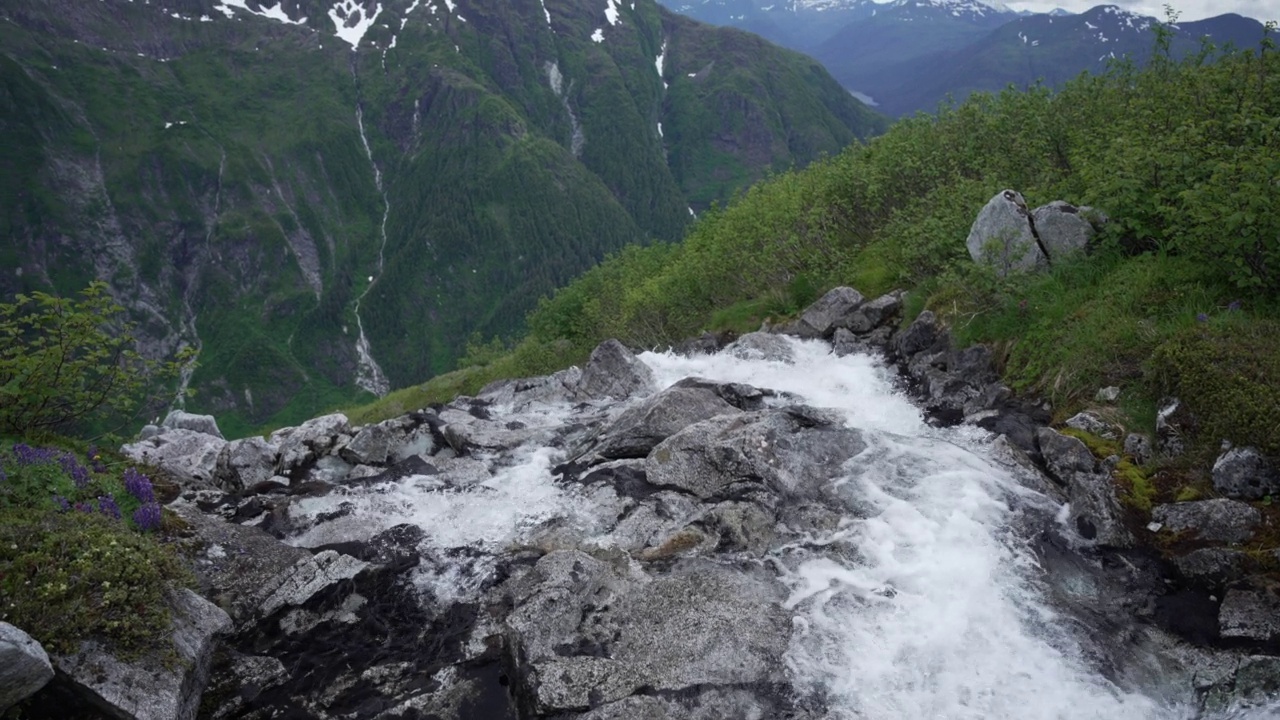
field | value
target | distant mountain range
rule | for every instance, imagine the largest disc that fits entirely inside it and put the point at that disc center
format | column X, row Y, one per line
column 909, row 55
column 329, row 196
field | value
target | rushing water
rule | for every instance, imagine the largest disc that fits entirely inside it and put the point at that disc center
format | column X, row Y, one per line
column 941, row 610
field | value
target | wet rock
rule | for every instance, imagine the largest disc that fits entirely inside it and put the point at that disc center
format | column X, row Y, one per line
column 24, row 666
column 587, row 635
column 709, row 704
column 1212, row 566
column 558, row 387
column 833, row 310
column 613, row 371
column 704, row 344
column 182, row 420
column 640, row 428
column 1062, row 229
column 1095, row 511
column 152, row 687
column 413, row 465
column 467, row 434
column 739, row 395
column 188, row 455
column 245, row 463
column 1252, row 615
column 1217, row 520
column 922, row 334
column 329, row 470
column 307, row 577
column 1253, row 685
column 1002, row 237
column 872, row 314
column 761, row 346
column 1243, row 473
column 792, row 451
column 371, row 444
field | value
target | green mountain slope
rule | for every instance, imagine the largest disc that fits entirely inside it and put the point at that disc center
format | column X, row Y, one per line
column 252, row 183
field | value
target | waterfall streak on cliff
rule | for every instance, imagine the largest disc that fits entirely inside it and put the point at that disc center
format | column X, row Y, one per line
column 369, row 375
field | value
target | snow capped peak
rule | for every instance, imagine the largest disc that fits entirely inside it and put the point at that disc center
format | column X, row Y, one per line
column 352, row 21
column 957, row 8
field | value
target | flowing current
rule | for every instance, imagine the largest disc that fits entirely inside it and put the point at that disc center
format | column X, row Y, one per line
column 944, row 614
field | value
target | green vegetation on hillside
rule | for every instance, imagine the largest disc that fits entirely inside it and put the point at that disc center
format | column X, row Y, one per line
column 1180, row 294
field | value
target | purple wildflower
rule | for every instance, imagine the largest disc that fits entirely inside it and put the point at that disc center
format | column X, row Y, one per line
column 96, row 460
column 107, row 506
column 139, row 485
column 1202, row 318
column 147, row 516
column 63, row 504
column 1234, row 305
column 28, row 455
column 78, row 473
column 84, row 507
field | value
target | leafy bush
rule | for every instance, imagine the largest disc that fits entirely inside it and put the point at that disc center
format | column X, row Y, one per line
column 64, row 361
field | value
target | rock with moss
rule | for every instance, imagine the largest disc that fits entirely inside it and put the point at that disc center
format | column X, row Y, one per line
column 24, row 666
column 1218, row 520
column 160, row 685
column 1095, row 510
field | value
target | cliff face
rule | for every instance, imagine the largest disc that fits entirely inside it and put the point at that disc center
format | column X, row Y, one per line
column 328, row 200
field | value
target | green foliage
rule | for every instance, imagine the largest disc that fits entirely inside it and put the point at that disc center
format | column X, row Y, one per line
column 67, row 361
column 1227, row 370
column 67, row 577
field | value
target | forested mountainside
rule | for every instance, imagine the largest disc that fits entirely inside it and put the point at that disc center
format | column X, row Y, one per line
column 327, row 199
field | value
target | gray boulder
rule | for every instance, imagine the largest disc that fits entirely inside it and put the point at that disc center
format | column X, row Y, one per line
column 793, row 451
column 519, row 394
column 153, row 687
column 831, row 311
column 371, row 444
column 872, row 314
column 24, row 666
column 189, row 455
column 1002, row 236
column 304, row 444
column 587, row 633
column 1245, row 474
column 1108, row 394
column 922, row 334
column 1212, row 565
column 1062, row 228
column 1217, row 520
column 1250, row 615
column 307, row 577
column 613, row 371
column 1095, row 511
column 1138, row 447
column 245, row 463
column 761, row 346
column 1092, row 424
column 182, row 420
column 642, row 427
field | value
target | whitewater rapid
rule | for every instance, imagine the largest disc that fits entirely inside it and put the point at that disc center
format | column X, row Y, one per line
column 930, row 604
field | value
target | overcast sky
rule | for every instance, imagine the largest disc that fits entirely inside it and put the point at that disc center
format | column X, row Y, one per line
column 1189, row 9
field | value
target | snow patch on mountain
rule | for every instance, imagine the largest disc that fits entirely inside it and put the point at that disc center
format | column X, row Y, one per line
column 662, row 57
column 611, row 12
column 275, row 12
column 598, row 35
column 351, row 21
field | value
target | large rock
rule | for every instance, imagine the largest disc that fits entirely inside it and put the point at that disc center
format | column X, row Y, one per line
column 587, row 633
column 307, row 577
column 613, row 371
column 1095, row 511
column 519, row 394
column 245, row 463
column 640, row 428
column 1252, row 615
column 1063, row 229
column 1002, row 236
column 922, row 334
column 761, row 346
column 872, row 314
column 302, row 445
column 1245, row 474
column 188, row 455
column 1218, row 520
column 793, row 451
column 154, row 687
column 1212, row 566
column 24, row 666
column 831, row 311
column 182, row 420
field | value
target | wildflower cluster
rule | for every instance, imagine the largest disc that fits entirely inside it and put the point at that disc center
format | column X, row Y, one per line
column 52, row 479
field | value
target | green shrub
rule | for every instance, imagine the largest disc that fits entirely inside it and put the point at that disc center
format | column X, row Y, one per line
column 1227, row 371
column 65, row 361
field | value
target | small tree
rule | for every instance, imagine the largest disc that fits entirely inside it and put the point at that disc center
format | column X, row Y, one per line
column 64, row 361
